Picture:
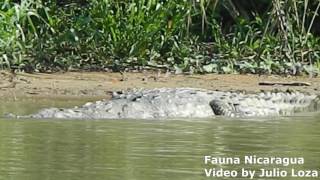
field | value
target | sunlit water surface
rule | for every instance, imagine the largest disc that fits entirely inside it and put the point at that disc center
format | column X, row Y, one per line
column 147, row 149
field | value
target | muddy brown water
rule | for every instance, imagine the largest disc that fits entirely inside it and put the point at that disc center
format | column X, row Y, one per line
column 37, row 149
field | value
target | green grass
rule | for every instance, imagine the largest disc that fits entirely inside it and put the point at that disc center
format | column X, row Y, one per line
column 205, row 36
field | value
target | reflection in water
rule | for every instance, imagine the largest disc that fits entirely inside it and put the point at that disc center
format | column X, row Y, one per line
column 123, row 149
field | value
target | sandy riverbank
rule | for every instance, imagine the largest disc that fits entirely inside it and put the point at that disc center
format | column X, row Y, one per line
column 100, row 84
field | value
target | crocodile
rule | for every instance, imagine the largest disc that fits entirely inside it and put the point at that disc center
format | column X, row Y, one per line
column 186, row 103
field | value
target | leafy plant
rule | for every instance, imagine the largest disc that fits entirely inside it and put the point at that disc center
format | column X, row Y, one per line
column 198, row 36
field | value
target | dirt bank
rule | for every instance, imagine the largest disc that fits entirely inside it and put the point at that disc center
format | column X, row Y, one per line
column 99, row 84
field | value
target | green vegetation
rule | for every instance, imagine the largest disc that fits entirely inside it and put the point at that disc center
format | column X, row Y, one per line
column 201, row 36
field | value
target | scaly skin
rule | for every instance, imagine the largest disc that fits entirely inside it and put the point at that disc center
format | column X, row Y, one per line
column 187, row 103
column 265, row 104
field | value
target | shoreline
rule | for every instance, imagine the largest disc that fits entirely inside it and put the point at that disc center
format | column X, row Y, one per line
column 99, row 85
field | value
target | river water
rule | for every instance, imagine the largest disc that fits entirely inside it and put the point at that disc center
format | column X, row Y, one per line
column 148, row 149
